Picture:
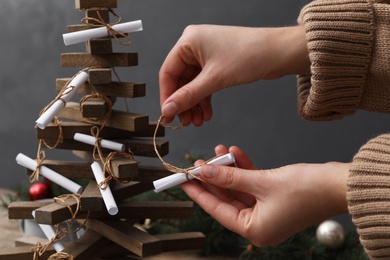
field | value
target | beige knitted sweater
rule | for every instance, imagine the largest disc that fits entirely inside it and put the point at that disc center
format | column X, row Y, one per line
column 349, row 49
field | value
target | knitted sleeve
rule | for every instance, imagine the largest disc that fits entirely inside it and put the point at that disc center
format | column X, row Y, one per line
column 349, row 50
column 369, row 196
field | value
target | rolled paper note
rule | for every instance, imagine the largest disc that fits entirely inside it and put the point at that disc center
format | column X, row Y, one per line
column 89, row 139
column 50, row 234
column 55, row 177
column 85, row 35
column 53, row 110
column 178, row 178
column 108, row 198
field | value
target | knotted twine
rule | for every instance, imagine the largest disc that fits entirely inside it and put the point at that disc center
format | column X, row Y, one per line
column 168, row 166
column 61, row 233
column 100, row 22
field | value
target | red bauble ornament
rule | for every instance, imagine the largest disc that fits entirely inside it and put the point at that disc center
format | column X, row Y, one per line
column 39, row 191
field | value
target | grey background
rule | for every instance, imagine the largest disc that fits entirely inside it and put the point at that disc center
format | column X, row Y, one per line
column 261, row 118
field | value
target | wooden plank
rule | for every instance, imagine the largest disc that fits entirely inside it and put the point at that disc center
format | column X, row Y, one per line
column 99, row 46
column 55, row 212
column 91, row 198
column 127, row 236
column 30, row 241
column 88, row 4
column 146, row 174
column 87, row 246
column 69, row 169
column 70, row 128
column 145, row 147
column 151, row 173
column 124, row 191
column 139, row 147
column 99, row 76
column 117, row 89
column 82, row 59
column 24, row 209
column 181, row 241
column 124, row 168
column 149, row 209
column 94, row 108
column 122, row 120
column 22, row 253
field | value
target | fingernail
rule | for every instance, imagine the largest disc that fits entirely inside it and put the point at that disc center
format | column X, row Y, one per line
column 169, row 110
column 208, row 171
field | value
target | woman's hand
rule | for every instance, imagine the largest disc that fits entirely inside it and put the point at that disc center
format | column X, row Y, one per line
column 208, row 58
column 268, row 206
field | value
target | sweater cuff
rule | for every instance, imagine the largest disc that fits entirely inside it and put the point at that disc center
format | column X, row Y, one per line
column 340, row 38
column 369, row 196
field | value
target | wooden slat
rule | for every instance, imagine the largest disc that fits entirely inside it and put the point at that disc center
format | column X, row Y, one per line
column 181, row 241
column 124, row 168
column 70, row 128
column 22, row 253
column 117, row 89
column 88, row 4
column 139, row 147
column 94, row 108
column 151, row 173
column 87, row 246
column 83, row 170
column 30, row 241
column 24, row 209
column 149, row 209
column 99, row 46
column 100, row 60
column 55, row 213
column 91, row 198
column 69, row 169
column 122, row 120
column 127, row 236
column 99, row 76
column 124, row 191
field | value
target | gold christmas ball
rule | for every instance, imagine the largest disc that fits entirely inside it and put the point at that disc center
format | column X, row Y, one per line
column 330, row 234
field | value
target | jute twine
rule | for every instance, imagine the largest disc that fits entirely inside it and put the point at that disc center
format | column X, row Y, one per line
column 168, row 166
column 61, row 233
column 95, row 22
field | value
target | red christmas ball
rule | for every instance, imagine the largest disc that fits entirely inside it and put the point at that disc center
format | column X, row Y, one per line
column 39, row 191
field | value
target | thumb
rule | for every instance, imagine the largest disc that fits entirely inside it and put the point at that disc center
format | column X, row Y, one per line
column 229, row 177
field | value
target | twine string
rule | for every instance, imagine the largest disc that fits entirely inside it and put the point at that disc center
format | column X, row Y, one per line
column 99, row 22
column 41, row 156
column 168, row 166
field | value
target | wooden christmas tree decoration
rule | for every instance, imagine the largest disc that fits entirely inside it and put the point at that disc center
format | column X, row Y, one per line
column 102, row 234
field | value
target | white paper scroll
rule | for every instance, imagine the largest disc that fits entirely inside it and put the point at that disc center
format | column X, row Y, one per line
column 50, row 234
column 53, row 110
column 85, row 35
column 55, row 177
column 89, row 139
column 178, row 178
column 108, row 198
